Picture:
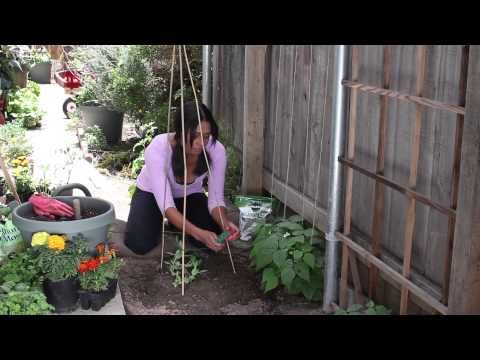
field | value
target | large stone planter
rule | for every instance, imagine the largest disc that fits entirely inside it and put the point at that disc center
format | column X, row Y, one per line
column 111, row 122
column 41, row 73
column 94, row 229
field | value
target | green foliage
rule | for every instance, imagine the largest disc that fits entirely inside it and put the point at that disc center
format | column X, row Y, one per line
column 146, row 73
column 285, row 256
column 192, row 267
column 23, row 105
column 115, row 160
column 233, row 174
column 24, row 302
column 131, row 190
column 59, row 265
column 9, row 65
column 139, row 149
column 20, row 285
column 86, row 95
column 13, row 141
column 368, row 309
column 21, row 268
column 98, row 279
column 24, row 182
column 102, row 85
column 35, row 56
column 95, row 138
column 27, row 186
column 135, row 79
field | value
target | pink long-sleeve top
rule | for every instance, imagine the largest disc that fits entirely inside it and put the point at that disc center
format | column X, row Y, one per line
column 158, row 170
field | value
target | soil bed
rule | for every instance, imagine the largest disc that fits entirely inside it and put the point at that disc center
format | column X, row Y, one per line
column 217, row 291
column 86, row 214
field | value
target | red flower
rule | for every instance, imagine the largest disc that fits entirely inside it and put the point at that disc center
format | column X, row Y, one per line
column 100, row 249
column 83, row 267
column 93, row 264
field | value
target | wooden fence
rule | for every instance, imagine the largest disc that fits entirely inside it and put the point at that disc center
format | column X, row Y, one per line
column 299, row 90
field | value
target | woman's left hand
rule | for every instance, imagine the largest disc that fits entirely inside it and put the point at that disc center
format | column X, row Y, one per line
column 233, row 230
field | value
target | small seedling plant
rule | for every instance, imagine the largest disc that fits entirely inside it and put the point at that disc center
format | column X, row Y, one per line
column 192, row 267
column 286, row 254
column 368, row 309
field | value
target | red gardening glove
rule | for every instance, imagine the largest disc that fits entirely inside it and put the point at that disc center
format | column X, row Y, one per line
column 46, row 206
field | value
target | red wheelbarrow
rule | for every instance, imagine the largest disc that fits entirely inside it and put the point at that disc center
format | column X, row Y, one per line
column 71, row 81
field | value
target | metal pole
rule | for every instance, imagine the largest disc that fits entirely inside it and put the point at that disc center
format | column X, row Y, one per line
column 335, row 186
column 206, row 75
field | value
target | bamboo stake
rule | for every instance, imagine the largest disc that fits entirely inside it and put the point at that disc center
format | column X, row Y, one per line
column 184, row 174
column 166, row 169
column 10, row 183
column 204, row 152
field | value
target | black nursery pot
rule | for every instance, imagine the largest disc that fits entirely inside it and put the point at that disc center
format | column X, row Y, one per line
column 63, row 294
column 97, row 300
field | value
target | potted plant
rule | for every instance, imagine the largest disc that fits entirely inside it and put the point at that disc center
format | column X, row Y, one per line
column 98, row 278
column 9, row 67
column 102, row 99
column 58, row 260
column 22, row 55
column 40, row 65
column 23, row 105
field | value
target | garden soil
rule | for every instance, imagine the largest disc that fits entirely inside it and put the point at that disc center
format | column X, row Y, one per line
column 218, row 291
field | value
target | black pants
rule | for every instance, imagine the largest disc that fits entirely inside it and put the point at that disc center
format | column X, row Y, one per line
column 144, row 224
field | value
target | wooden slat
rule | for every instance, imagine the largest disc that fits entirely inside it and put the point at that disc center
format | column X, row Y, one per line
column 349, row 185
column 356, row 279
column 464, row 296
column 412, row 182
column 344, row 277
column 351, row 141
column 295, row 200
column 400, row 96
column 455, row 171
column 414, row 289
column 400, row 188
column 254, row 119
column 379, row 187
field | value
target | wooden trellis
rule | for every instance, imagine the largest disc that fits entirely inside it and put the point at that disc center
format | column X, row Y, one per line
column 351, row 249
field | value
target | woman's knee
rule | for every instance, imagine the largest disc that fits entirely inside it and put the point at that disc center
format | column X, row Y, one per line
column 138, row 246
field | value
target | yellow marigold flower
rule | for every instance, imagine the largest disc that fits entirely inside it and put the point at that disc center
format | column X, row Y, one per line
column 40, row 238
column 56, row 242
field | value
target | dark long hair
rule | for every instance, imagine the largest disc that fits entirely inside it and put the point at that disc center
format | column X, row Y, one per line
column 191, row 123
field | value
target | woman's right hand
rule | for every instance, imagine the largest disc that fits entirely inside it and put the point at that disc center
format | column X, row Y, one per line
column 210, row 240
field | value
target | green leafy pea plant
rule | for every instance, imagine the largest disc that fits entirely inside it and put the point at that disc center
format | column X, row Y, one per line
column 192, row 267
column 286, row 254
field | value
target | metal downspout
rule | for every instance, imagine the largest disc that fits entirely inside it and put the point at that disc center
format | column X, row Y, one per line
column 206, row 83
column 335, row 184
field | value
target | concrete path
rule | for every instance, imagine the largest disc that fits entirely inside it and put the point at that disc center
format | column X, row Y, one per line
column 50, row 143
